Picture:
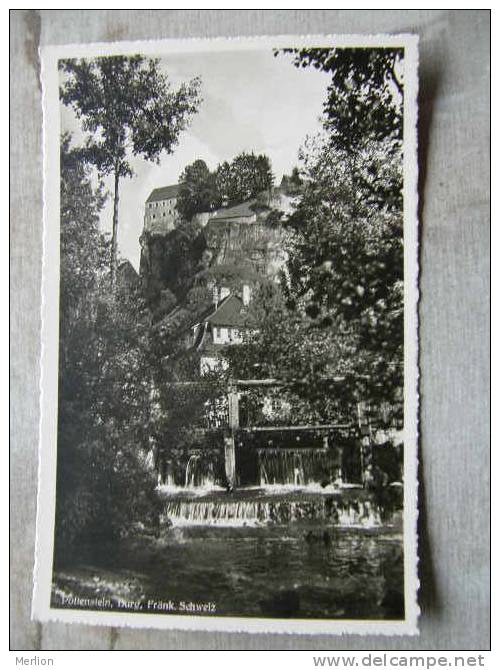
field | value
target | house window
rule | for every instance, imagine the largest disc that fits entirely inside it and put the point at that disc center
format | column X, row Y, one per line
column 215, row 333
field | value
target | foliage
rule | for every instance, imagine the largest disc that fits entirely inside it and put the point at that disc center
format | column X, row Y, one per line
column 346, row 261
column 342, row 297
column 180, row 396
column 246, row 176
column 198, row 192
column 233, row 182
column 339, row 312
column 292, row 184
column 127, row 107
column 365, row 95
column 82, row 245
column 286, row 345
column 231, row 276
column 102, row 483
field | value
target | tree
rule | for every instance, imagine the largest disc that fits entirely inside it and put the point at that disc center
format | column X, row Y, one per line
column 346, row 261
column 332, row 333
column 83, row 247
column 364, row 106
column 232, row 182
column 198, row 192
column 289, row 345
column 365, row 95
column 246, row 176
column 103, row 485
column 344, row 281
column 127, row 107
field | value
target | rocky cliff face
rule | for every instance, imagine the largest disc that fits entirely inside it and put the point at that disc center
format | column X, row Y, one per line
column 169, row 262
column 256, row 246
column 239, row 247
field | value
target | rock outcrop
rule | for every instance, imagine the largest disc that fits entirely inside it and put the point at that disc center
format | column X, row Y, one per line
column 240, row 242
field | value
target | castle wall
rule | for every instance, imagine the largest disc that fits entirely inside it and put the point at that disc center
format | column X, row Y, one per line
column 160, row 216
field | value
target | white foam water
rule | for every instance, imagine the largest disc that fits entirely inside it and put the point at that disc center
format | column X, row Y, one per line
column 252, row 512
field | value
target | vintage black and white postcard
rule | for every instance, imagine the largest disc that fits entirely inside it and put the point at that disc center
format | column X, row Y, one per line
column 229, row 370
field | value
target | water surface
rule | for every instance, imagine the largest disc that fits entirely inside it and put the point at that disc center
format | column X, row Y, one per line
column 301, row 570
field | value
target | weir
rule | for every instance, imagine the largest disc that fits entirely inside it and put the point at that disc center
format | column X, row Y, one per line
column 298, row 467
column 269, row 455
column 255, row 512
column 305, row 470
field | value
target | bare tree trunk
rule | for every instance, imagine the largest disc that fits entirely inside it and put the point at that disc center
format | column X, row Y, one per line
column 114, row 238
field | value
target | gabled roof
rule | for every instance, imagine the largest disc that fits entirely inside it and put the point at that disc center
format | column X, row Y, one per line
column 208, row 311
column 164, row 193
column 241, row 210
column 231, row 312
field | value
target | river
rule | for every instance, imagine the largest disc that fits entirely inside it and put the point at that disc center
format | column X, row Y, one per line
column 305, row 568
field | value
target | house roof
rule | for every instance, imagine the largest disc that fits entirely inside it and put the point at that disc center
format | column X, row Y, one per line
column 231, row 312
column 241, row 210
column 164, row 193
column 208, row 311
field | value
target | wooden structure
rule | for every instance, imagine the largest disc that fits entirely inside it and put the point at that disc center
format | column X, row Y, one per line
column 233, row 427
column 227, row 419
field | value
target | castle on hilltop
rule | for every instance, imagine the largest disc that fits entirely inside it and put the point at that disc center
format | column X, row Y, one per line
column 160, row 215
column 237, row 250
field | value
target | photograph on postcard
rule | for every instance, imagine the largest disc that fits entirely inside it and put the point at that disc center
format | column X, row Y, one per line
column 230, row 287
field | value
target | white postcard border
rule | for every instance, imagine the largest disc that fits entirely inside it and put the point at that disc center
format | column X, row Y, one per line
column 41, row 609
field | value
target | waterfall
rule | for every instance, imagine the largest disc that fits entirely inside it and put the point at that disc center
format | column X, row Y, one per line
column 194, row 473
column 190, row 472
column 199, row 474
column 253, row 513
column 297, row 467
column 166, row 478
column 169, row 480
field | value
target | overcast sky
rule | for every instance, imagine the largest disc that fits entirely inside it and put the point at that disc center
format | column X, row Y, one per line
column 252, row 101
